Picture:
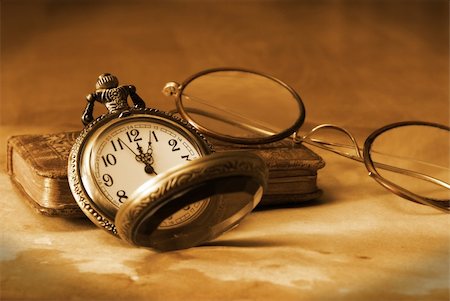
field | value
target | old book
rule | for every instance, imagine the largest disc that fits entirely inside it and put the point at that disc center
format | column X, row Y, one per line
column 292, row 170
column 37, row 164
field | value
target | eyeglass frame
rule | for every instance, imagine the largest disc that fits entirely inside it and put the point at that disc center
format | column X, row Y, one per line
column 175, row 89
column 400, row 191
column 365, row 157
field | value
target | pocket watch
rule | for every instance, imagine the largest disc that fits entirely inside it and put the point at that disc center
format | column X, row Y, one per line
column 153, row 179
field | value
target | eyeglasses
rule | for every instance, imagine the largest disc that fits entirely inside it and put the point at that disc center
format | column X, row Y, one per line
column 410, row 159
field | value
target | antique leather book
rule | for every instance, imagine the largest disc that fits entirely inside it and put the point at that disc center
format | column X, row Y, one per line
column 37, row 164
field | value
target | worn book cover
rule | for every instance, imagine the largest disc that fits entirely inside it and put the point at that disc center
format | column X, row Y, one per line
column 37, row 164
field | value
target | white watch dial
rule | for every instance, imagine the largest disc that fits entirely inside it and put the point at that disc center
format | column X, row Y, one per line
column 128, row 154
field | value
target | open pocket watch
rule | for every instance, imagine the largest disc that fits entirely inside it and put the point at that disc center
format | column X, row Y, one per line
column 153, row 179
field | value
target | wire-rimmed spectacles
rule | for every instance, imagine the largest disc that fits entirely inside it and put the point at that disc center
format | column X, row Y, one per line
column 410, row 159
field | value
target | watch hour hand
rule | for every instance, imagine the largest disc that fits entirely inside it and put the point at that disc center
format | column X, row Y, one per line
column 149, row 169
column 145, row 158
column 139, row 148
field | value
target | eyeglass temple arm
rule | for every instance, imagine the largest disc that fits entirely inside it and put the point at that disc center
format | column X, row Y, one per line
column 246, row 126
column 359, row 158
column 255, row 126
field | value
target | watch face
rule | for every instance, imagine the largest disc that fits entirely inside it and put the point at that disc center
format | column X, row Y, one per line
column 124, row 153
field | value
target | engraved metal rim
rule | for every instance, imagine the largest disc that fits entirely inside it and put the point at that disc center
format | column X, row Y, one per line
column 92, row 208
column 181, row 180
column 279, row 136
column 400, row 191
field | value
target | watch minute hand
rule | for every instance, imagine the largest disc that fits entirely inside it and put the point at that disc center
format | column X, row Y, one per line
column 121, row 141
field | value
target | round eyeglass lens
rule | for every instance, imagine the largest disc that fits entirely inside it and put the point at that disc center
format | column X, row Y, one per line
column 415, row 157
column 241, row 106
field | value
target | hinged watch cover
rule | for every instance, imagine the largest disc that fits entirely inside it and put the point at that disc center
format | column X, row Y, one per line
column 224, row 187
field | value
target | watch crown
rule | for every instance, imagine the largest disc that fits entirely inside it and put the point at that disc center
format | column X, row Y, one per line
column 106, row 81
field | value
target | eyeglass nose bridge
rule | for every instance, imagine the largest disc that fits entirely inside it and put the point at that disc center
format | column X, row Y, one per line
column 307, row 138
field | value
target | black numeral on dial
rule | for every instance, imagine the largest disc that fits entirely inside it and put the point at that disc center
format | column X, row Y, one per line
column 117, row 144
column 109, row 159
column 173, row 143
column 133, row 136
column 121, row 194
column 107, row 180
column 154, row 136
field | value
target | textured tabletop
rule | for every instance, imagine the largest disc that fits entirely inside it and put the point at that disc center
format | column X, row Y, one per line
column 359, row 64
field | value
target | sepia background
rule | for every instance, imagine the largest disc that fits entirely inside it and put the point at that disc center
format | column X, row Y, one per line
column 358, row 64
